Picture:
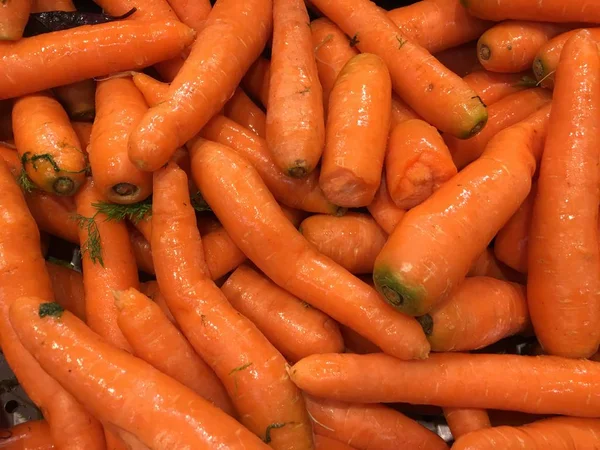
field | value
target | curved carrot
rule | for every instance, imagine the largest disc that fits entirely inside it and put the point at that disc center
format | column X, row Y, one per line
column 353, row 241
column 435, row 93
column 251, row 369
column 48, row 146
column 466, row 420
column 257, row 80
column 234, row 197
column 431, row 250
column 120, row 106
column 13, row 18
column 191, row 12
column 32, row 435
column 67, row 285
column 384, row 210
column 241, row 109
column 560, row 386
column 370, row 426
column 417, row 163
column 546, row 11
column 564, row 259
column 492, row 86
column 358, row 123
column 151, row 289
column 502, row 114
column 83, row 130
column 324, row 443
column 141, row 251
column 54, row 215
column 78, row 99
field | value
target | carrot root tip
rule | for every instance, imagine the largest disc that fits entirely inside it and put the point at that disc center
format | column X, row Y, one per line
column 426, row 323
column 63, row 186
column 125, row 189
column 300, row 169
column 484, row 52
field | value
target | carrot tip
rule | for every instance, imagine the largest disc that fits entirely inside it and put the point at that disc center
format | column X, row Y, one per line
column 300, row 169
column 125, row 189
column 64, row 186
column 426, row 323
column 484, row 52
column 405, row 299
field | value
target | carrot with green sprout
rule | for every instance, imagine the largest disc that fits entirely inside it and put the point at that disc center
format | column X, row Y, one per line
column 241, row 109
column 13, row 18
column 384, row 210
column 462, row 421
column 492, row 86
column 191, row 12
column 257, row 80
column 67, row 285
column 546, row 11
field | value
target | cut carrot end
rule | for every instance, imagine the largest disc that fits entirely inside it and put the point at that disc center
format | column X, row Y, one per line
column 403, row 298
column 125, row 189
column 64, row 186
column 478, row 126
column 300, row 169
column 484, row 52
column 426, row 323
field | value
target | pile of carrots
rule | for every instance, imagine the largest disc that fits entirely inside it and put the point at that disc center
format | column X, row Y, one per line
column 274, row 249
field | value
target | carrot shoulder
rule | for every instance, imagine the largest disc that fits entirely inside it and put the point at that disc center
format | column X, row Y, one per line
column 13, row 18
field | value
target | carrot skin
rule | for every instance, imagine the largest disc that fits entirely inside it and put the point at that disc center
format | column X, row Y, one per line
column 241, row 109
column 486, row 265
column 257, row 80
column 83, row 130
column 466, row 420
column 355, row 343
column 546, row 11
column 141, row 251
column 220, row 252
column 67, row 285
column 384, row 210
column 492, row 86
column 31, row 435
column 324, row 443
column 54, row 215
column 78, row 99
column 191, row 12
column 13, row 18
column 151, row 290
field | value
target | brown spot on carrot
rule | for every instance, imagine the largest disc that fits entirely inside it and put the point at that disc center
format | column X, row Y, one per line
column 50, row 309
column 484, row 52
column 430, row 87
column 401, row 42
column 426, row 323
column 273, row 426
column 306, row 90
column 63, row 186
column 354, row 40
column 538, row 69
column 509, row 47
column 299, row 170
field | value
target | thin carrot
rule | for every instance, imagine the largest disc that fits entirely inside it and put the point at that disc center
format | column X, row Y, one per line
column 461, row 60
column 67, row 285
column 120, row 106
column 491, row 86
column 191, row 12
column 370, row 426
column 54, row 215
column 293, row 327
column 563, row 285
column 196, row 94
column 48, row 146
column 252, row 370
column 466, row 420
column 355, row 343
column 83, row 130
column 241, row 109
column 546, row 11
column 417, row 163
column 141, row 251
column 511, row 46
column 13, row 18
column 257, row 80
column 151, row 289
column 502, row 114
column 435, row 94
column 384, row 210
column 234, row 197
column 490, row 381
column 430, row 251
column 325, row 443
column 32, row 435
column 93, row 51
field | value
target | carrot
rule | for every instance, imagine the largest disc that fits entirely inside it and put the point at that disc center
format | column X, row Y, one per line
column 151, row 290
column 355, row 343
column 32, row 435
column 141, row 251
column 120, row 107
column 234, row 197
column 486, row 265
column 191, row 12
column 108, row 264
column 257, row 80
column 93, row 51
column 48, row 146
column 401, row 112
column 466, row 420
column 419, row 266
column 353, row 241
column 558, row 433
column 370, row 426
column 417, row 163
column 78, row 99
column 220, row 252
column 196, row 94
column 324, row 443
column 492, row 86
column 358, row 122
column 560, row 386
column 461, row 60
column 52, row 5
column 384, row 210
column 54, row 215
column 241, row 109
column 435, row 93
column 67, row 285
column 251, row 369
column 101, row 374
column 511, row 46
column 438, row 25
column 83, row 130
column 564, row 260
column 13, row 18
column 153, row 90
column 502, row 114
column 547, row 11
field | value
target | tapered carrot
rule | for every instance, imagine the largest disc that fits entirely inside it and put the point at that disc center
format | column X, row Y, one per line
column 32, row 435
column 558, row 433
column 48, row 146
column 13, row 18
column 563, row 286
column 546, row 11
column 502, row 114
column 67, row 285
column 241, row 109
column 560, row 386
column 466, row 420
column 83, row 130
column 492, row 86
column 436, row 94
column 54, row 215
column 461, row 60
column 120, row 106
column 369, row 426
column 384, row 210
column 417, row 163
column 93, row 51
column 257, row 80
column 141, row 250
column 465, row 213
column 191, row 12
column 325, row 443
column 151, row 289
column 234, row 196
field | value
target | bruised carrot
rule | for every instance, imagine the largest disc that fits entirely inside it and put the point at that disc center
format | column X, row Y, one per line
column 48, row 146
column 32, row 435
column 355, row 343
column 257, row 80
column 78, row 99
column 54, row 215
column 83, row 130
column 151, row 290
column 67, row 285
column 563, row 282
column 436, row 94
column 502, row 114
column 545, row 11
column 384, row 210
column 191, row 12
column 241, row 109
column 466, row 420
column 234, row 196
column 13, row 18
column 492, row 86
column 141, row 251
column 468, row 211
column 461, row 60
column 325, row 443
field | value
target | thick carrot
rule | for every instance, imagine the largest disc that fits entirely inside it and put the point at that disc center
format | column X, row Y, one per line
column 93, row 51
column 151, row 289
column 257, row 80
column 197, row 94
column 48, row 146
column 234, row 197
column 492, row 86
column 13, row 18
column 545, row 11
column 32, row 435
column 252, row 370
column 431, row 250
column 370, row 426
column 67, row 285
column 384, row 210
column 103, row 376
column 559, row 386
column 120, row 106
column 54, row 215
column 141, row 250
column 83, row 130
column 417, row 163
column 502, row 114
column 511, row 46
column 241, row 109
column 461, row 60
column 563, row 283
column 358, row 123
column 293, row 327
column 78, row 99
column 558, row 433
column 481, row 311
column 353, row 241
column 435, row 93
column 191, row 12
column 438, row 25
column 325, row 443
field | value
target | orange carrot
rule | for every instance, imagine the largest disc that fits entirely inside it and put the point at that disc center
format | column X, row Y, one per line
column 234, row 197
column 141, row 250
column 358, row 123
column 220, row 252
column 325, row 443
column 460, row 60
column 83, row 130
column 560, row 386
column 435, row 93
column 52, row 5
column 466, row 420
column 355, row 343
column 78, row 99
column 151, row 290
column 401, row 112
column 153, row 90
column 48, row 146
column 430, row 251
column 491, row 86
column 54, row 215
column 486, row 265
column 13, row 18
column 241, row 109
column 417, row 163
column 67, row 285
column 191, row 12
column 257, row 80
column 8, row 153
column 545, row 11
column 384, row 210
column 502, row 114
column 563, row 286
column 32, row 435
